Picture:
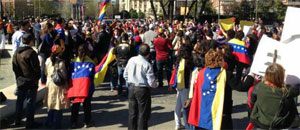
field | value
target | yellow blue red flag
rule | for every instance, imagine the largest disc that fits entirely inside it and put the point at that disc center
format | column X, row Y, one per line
column 101, row 69
column 206, row 109
column 103, row 8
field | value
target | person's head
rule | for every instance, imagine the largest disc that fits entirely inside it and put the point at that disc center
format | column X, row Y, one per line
column 230, row 34
column 60, row 20
column 56, row 51
column 28, row 39
column 209, row 34
column 144, row 50
column 160, row 32
column 214, row 59
column 24, row 25
column 124, row 37
column 48, row 27
column 227, row 50
column 199, row 60
column 82, row 52
column 180, row 33
column 202, row 47
column 185, row 51
column 275, row 74
column 239, row 35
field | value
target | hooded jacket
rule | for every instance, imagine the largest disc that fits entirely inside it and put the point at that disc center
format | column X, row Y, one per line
column 26, row 67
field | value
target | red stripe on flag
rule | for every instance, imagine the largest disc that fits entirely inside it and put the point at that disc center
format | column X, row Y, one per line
column 194, row 115
column 101, row 63
column 241, row 57
column 79, row 87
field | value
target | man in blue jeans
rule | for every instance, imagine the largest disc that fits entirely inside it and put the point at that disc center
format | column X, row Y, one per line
column 123, row 53
column 27, row 70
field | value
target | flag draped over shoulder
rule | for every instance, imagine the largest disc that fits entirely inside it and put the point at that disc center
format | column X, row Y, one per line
column 226, row 24
column 177, row 78
column 240, row 51
column 103, row 7
column 207, row 104
column 81, row 79
column 101, row 69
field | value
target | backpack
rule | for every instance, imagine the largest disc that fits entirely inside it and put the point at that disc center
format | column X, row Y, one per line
column 286, row 116
column 57, row 75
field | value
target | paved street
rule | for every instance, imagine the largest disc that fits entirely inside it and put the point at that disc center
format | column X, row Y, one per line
column 110, row 111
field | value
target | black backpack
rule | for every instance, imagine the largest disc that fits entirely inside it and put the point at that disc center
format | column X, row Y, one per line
column 287, row 115
column 57, row 75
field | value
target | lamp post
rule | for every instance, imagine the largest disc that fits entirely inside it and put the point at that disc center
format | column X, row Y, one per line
column 256, row 7
column 219, row 10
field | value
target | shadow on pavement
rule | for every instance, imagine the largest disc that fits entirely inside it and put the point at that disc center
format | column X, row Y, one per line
column 239, row 108
column 240, row 123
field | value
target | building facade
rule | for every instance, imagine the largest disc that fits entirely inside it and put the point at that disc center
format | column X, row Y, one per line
column 140, row 6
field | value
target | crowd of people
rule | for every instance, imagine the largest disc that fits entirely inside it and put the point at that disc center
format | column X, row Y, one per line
column 202, row 62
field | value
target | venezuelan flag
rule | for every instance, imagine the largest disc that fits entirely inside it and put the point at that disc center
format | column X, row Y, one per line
column 240, row 51
column 207, row 104
column 103, row 7
column 177, row 78
column 101, row 69
column 82, row 77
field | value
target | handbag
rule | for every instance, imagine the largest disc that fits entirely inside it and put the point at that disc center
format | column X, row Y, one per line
column 57, row 75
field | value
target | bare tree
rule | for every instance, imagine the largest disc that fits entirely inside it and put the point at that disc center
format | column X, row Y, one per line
column 153, row 9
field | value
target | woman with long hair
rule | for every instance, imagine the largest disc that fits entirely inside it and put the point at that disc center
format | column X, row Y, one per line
column 274, row 107
column 211, row 103
column 184, row 65
column 55, row 97
column 82, row 92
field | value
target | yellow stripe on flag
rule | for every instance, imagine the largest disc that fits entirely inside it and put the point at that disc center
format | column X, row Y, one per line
column 180, row 74
column 99, row 77
column 218, row 103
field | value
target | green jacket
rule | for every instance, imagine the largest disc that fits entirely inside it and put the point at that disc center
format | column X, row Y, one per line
column 268, row 104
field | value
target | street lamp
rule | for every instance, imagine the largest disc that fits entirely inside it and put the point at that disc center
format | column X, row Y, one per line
column 256, row 7
column 219, row 10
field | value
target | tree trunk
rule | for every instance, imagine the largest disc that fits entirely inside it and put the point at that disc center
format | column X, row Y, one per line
column 185, row 5
column 153, row 10
column 202, row 7
column 163, row 8
column 191, row 6
column 171, row 10
column 195, row 13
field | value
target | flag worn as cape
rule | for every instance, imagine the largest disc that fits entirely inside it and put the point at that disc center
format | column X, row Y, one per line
column 101, row 69
column 103, row 7
column 207, row 104
column 240, row 51
column 177, row 78
column 81, row 79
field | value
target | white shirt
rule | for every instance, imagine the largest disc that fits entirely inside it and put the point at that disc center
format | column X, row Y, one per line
column 139, row 72
column 17, row 39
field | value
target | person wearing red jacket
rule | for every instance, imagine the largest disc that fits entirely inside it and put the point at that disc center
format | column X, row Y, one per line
column 162, row 47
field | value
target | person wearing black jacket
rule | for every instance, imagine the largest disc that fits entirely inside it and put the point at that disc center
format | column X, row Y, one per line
column 27, row 70
column 123, row 53
column 102, row 42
